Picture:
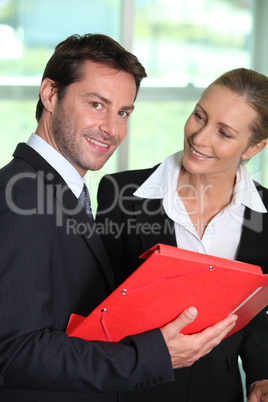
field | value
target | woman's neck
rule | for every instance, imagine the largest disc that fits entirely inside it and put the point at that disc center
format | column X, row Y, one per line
column 204, row 196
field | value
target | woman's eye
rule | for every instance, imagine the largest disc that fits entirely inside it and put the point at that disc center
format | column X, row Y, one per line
column 197, row 115
column 224, row 134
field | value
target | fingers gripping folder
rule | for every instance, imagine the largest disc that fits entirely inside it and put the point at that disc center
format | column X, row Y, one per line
column 169, row 281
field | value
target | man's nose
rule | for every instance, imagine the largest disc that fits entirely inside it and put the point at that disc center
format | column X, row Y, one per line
column 109, row 124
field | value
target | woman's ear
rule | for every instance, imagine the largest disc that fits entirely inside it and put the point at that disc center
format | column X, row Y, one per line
column 48, row 94
column 254, row 150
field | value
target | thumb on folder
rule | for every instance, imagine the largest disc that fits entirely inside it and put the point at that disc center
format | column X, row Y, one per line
column 186, row 349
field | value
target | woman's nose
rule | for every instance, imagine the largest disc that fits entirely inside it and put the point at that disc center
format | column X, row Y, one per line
column 203, row 136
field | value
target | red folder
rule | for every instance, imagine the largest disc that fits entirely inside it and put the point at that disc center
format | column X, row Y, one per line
column 169, row 281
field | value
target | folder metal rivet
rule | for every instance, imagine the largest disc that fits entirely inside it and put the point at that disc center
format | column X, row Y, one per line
column 104, row 310
column 124, row 291
column 210, row 268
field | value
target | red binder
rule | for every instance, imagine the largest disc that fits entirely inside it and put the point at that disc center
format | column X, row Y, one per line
column 169, row 281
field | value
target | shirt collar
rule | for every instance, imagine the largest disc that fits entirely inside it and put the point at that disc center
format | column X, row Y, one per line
column 164, row 180
column 245, row 191
column 58, row 162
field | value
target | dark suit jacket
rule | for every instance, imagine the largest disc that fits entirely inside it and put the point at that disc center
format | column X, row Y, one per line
column 132, row 225
column 52, row 265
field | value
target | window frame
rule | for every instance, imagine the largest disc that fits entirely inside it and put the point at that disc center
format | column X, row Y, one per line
column 153, row 90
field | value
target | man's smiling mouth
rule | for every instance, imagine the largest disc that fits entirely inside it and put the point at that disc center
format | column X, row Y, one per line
column 96, row 142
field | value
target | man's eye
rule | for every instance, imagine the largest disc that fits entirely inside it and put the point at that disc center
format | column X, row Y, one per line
column 96, row 105
column 123, row 114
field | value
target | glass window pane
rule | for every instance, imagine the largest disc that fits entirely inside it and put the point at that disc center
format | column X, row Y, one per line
column 157, row 130
column 258, row 167
column 185, row 41
column 30, row 29
column 17, row 123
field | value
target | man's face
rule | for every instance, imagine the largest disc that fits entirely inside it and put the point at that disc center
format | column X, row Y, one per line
column 89, row 123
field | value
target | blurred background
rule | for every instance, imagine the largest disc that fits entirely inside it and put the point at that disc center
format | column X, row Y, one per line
column 184, row 45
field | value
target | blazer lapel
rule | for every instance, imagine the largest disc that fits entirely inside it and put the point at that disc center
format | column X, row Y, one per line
column 159, row 228
column 86, row 227
column 253, row 242
column 70, row 205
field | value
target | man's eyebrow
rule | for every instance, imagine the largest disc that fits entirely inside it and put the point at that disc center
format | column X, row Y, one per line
column 128, row 107
column 107, row 101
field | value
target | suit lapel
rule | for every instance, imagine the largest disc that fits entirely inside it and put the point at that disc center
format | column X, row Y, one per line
column 87, row 228
column 161, row 228
column 70, row 205
column 253, row 242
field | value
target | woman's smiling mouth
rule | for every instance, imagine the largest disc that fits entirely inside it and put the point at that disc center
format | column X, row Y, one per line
column 199, row 155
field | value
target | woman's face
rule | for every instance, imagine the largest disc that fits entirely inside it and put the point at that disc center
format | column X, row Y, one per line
column 217, row 133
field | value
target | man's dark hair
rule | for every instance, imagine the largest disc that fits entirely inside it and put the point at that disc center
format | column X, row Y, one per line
column 65, row 65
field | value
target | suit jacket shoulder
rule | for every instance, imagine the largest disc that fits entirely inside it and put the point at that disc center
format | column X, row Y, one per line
column 130, row 179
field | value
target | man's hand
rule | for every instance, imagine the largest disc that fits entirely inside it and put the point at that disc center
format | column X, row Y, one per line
column 186, row 349
column 258, row 392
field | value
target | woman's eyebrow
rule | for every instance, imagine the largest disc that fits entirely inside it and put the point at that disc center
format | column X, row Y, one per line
column 222, row 124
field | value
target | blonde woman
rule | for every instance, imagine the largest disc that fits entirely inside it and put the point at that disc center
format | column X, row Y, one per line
column 202, row 199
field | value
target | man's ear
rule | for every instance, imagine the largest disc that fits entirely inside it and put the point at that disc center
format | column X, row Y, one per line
column 48, row 94
column 254, row 150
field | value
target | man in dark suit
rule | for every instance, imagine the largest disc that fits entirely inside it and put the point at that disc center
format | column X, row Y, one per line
column 52, row 263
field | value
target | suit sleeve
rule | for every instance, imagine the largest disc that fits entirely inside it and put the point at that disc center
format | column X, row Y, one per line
column 35, row 355
column 254, row 351
column 254, row 348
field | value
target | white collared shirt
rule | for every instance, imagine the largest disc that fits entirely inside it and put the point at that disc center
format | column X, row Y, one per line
column 222, row 235
column 65, row 169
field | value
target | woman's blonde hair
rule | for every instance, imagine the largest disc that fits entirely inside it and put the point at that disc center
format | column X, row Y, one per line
column 253, row 88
